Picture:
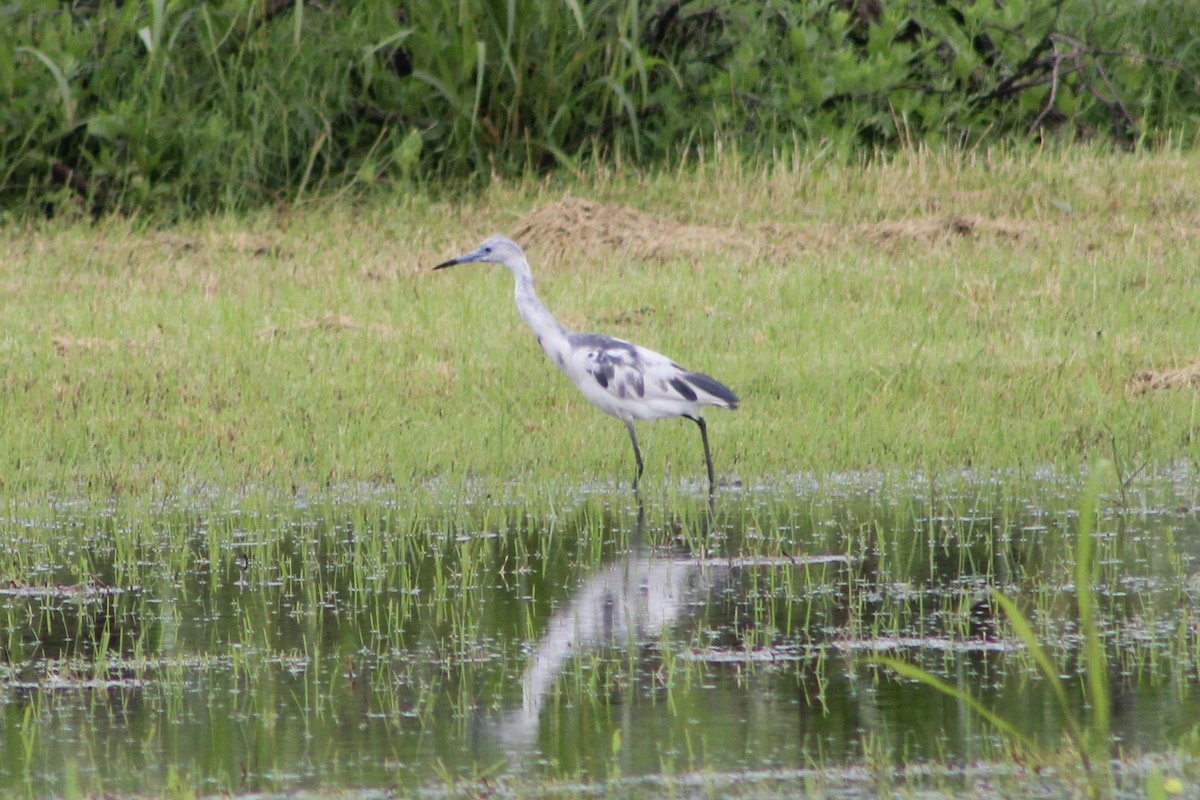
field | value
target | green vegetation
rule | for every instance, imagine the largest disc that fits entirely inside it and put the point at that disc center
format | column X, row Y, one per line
column 918, row 313
column 358, row 639
column 1092, row 740
column 173, row 108
column 285, row 510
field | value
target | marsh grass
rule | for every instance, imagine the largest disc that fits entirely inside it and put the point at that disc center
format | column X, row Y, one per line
column 1090, row 730
column 366, row 617
column 328, row 479
column 916, row 313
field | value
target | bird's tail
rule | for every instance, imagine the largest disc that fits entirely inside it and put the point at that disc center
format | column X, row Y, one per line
column 718, row 393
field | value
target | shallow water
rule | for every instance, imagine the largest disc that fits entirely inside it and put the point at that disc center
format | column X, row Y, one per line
column 358, row 641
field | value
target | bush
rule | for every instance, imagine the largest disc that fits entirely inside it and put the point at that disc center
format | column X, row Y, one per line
column 171, row 108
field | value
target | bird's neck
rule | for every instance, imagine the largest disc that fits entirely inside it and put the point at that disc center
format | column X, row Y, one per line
column 551, row 334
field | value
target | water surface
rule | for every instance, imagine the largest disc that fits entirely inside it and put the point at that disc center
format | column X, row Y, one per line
column 361, row 641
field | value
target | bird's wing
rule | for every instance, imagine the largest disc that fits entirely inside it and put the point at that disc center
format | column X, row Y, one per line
column 615, row 374
column 614, row 364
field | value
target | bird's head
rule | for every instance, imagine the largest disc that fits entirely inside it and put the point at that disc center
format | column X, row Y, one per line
column 494, row 250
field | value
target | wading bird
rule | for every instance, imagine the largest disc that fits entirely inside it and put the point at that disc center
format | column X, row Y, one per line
column 619, row 378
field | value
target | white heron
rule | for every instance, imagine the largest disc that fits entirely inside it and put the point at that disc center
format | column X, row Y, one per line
column 623, row 379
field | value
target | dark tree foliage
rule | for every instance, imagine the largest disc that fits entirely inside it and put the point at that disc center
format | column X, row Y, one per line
column 111, row 106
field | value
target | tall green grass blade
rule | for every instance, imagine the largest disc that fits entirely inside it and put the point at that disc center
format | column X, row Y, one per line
column 1092, row 741
column 562, row 158
column 630, row 112
column 913, row 672
column 443, row 89
column 480, row 74
column 1095, row 662
column 297, row 24
column 60, row 79
column 577, row 13
column 1045, row 664
column 158, row 20
column 393, row 40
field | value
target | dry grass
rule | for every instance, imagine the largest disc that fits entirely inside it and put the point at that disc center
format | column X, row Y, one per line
column 1182, row 378
column 70, row 346
column 573, row 225
column 564, row 229
column 947, row 226
column 329, row 322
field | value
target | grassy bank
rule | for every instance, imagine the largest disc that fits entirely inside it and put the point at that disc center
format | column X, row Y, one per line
column 931, row 311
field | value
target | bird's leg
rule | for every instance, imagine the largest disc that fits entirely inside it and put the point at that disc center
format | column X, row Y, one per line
column 637, row 452
column 712, row 483
column 638, row 532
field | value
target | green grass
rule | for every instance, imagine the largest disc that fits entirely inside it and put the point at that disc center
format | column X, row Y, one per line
column 925, row 313
column 921, row 313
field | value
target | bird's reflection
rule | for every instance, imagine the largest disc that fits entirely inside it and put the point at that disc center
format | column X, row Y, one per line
column 626, row 603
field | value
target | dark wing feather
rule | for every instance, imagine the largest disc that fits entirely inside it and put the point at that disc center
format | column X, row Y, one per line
column 714, row 387
column 681, row 386
column 614, row 363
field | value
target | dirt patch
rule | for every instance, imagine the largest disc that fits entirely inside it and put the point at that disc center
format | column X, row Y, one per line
column 67, row 346
column 329, row 322
column 573, row 224
column 1183, row 378
column 940, row 227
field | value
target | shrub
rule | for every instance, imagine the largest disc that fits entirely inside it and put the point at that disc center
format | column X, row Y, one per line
column 172, row 108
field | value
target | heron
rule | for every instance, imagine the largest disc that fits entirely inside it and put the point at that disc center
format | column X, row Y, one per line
column 626, row 380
